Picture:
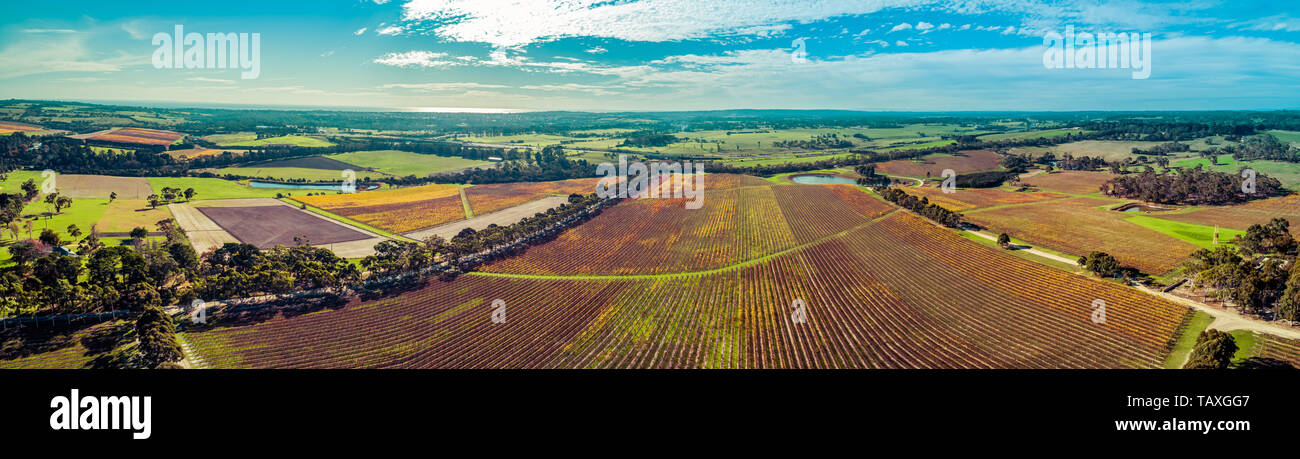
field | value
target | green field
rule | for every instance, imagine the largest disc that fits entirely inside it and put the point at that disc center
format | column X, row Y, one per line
column 402, row 163
column 1047, row 133
column 1286, row 136
column 213, row 188
column 1200, row 235
column 294, row 173
column 248, row 139
column 746, row 142
column 1288, row 173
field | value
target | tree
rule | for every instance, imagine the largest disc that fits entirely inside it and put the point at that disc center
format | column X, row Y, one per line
column 1213, row 350
column 61, row 203
column 1101, row 264
column 23, row 252
column 73, row 231
column 1004, row 240
column 189, row 194
column 112, row 196
column 29, row 189
column 154, row 201
column 139, row 232
column 156, row 332
column 51, row 238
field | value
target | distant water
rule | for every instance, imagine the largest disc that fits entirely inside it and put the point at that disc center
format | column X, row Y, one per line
column 256, row 184
column 822, row 180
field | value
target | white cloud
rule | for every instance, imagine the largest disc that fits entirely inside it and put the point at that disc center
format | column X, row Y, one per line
column 900, row 43
column 924, row 26
column 903, row 26
column 360, row 31
column 597, row 50
column 390, row 30
column 513, row 23
column 415, row 59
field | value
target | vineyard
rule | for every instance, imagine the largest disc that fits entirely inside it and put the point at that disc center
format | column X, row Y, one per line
column 396, row 210
column 1273, row 347
column 968, row 199
column 973, row 161
column 57, row 346
column 1077, row 226
column 497, row 196
column 896, row 292
column 140, row 136
column 1073, row 182
column 655, row 236
column 1241, row 216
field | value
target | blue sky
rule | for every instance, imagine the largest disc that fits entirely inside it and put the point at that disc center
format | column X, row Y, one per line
column 661, row 54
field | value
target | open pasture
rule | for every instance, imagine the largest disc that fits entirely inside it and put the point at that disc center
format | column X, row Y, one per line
column 101, row 186
column 403, row 163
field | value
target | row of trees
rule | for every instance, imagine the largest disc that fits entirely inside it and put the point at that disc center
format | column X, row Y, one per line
column 922, row 207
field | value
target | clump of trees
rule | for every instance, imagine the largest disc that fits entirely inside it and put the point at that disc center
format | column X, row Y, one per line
column 922, row 207
column 1255, row 283
column 1213, row 351
column 1193, row 187
column 650, row 140
column 1102, row 264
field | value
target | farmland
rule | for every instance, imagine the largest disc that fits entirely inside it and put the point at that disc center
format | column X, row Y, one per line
column 497, row 196
column 875, row 298
column 137, row 136
column 1241, row 216
column 968, row 199
column 1287, row 173
column 401, row 163
column 396, row 210
column 1072, row 182
column 295, row 173
column 8, row 127
column 250, row 140
column 1078, row 226
column 934, row 165
column 214, row 188
column 271, row 225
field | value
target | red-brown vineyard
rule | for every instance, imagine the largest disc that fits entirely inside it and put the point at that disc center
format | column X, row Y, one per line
column 893, row 292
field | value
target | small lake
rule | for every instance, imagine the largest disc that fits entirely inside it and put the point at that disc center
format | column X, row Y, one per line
column 822, row 180
column 298, row 186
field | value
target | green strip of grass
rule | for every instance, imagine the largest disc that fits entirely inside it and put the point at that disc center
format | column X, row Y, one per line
column 1200, row 235
column 1184, row 345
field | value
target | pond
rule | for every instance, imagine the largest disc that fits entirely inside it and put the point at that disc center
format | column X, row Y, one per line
column 822, row 180
column 304, row 186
